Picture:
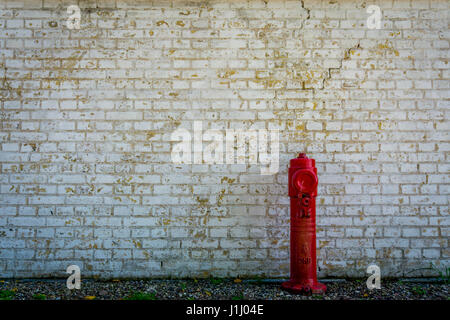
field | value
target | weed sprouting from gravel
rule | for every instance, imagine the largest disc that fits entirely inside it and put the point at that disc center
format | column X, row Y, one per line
column 141, row 296
column 216, row 280
column 7, row 294
column 39, row 296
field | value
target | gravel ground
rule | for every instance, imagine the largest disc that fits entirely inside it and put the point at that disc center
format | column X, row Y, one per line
column 231, row 289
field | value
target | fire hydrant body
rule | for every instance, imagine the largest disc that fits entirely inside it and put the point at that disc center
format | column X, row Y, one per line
column 303, row 191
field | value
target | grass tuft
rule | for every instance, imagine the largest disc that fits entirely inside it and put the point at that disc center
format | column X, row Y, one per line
column 7, row 294
column 141, row 296
column 39, row 296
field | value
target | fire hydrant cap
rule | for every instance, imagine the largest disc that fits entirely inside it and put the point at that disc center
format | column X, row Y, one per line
column 305, row 181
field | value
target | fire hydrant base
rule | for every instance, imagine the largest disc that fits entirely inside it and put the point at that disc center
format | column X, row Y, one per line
column 295, row 287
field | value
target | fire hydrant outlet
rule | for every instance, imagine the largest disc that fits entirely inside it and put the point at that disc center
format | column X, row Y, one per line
column 305, row 181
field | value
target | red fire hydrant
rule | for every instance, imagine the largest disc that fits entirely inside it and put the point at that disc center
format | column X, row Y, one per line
column 303, row 191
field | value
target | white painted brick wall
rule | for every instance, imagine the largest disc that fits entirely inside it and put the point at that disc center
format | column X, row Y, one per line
column 87, row 115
